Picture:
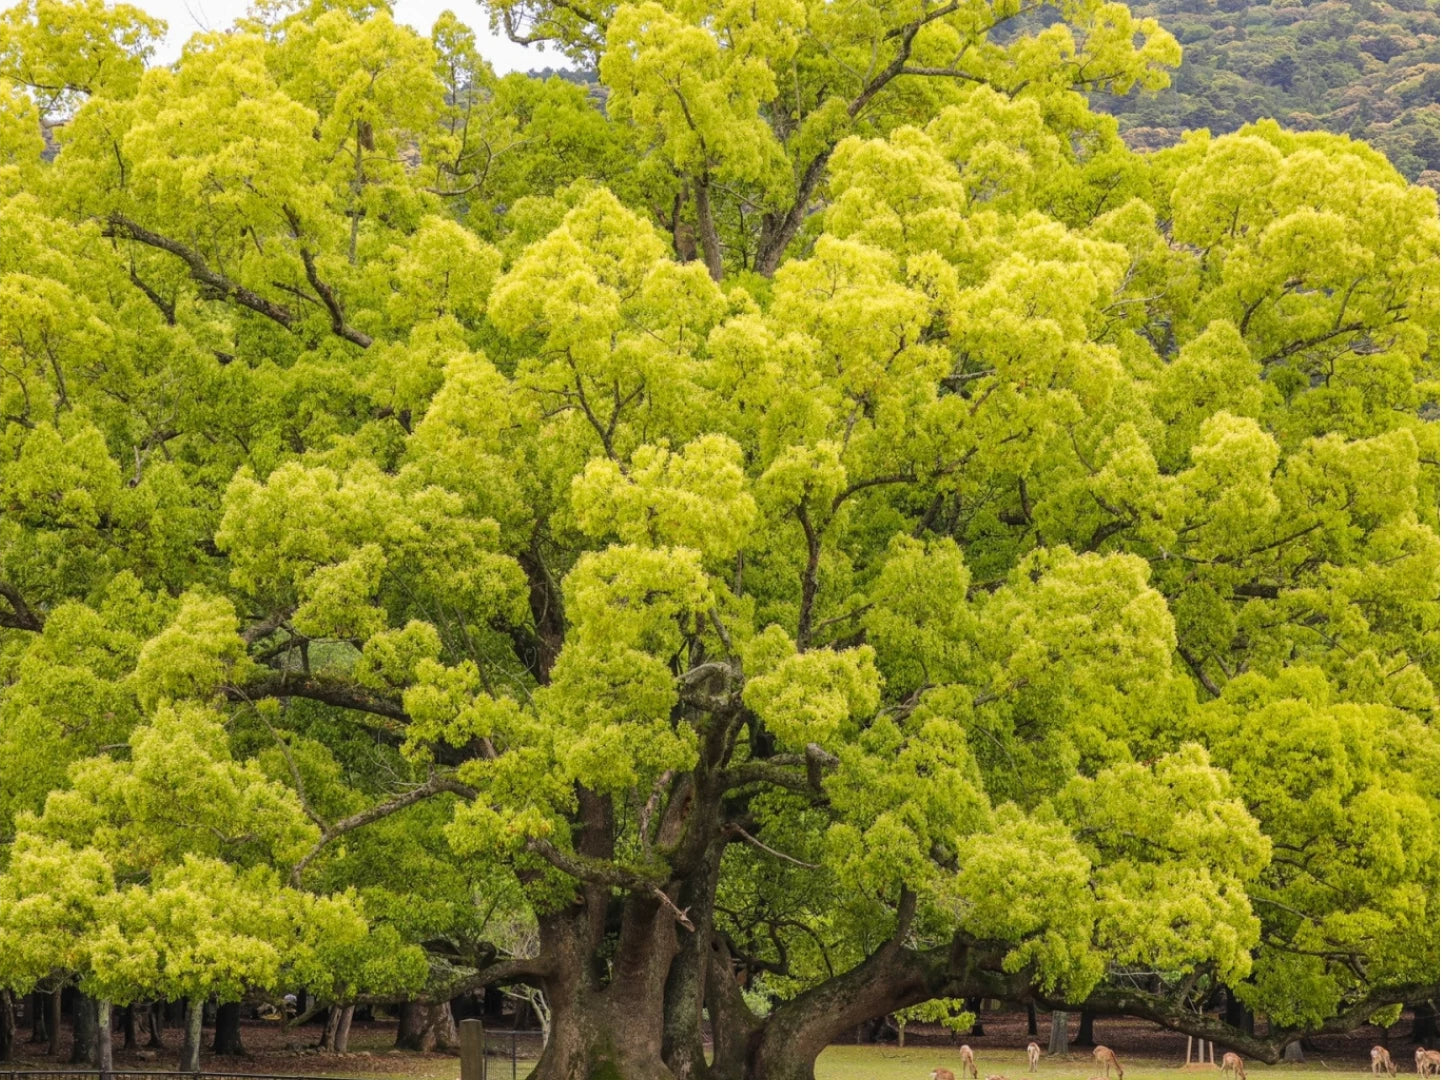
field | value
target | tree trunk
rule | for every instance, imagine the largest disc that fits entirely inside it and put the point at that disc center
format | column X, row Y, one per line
column 155, row 1024
column 1425, row 1024
column 194, row 1028
column 39, row 1029
column 343, row 1029
column 84, row 1050
column 7, row 1025
column 1032, row 1019
column 425, row 1027
column 1084, row 1030
column 54, row 1022
column 1293, row 1052
column 1235, row 1014
column 706, row 228
column 105, row 1046
column 975, row 1008
column 1057, row 1037
column 327, row 1042
column 228, row 1031
column 127, row 1026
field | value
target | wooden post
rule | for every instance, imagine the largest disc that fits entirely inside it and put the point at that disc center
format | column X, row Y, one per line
column 1187, row 1060
column 1210, row 1053
column 473, row 1050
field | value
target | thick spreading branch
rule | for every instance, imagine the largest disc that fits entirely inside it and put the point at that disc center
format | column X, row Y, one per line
column 19, row 617
column 121, row 227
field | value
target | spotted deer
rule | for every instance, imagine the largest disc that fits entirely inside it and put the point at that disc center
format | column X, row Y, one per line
column 1382, row 1060
column 1108, row 1060
column 968, row 1064
column 1233, row 1066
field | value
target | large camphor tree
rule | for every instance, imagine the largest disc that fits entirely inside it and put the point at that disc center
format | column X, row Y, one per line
column 824, row 530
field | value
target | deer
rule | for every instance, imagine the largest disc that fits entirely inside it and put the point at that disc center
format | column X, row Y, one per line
column 1108, row 1060
column 1426, row 1060
column 968, row 1064
column 1033, row 1053
column 942, row 1074
column 1381, row 1059
column 1233, row 1066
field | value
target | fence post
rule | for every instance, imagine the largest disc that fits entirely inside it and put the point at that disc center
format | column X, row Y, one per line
column 473, row 1050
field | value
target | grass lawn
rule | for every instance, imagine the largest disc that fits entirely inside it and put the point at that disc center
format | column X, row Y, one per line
column 889, row 1063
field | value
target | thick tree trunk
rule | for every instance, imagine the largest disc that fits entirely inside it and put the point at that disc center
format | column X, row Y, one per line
column 1238, row 1016
column 1084, row 1031
column 194, row 1029
column 425, row 1027
column 104, row 1038
column 1057, row 1037
column 127, row 1026
column 84, row 1051
column 1293, row 1051
column 228, row 1031
column 54, row 1023
column 327, row 1042
column 342, row 1040
column 974, row 1006
column 39, row 1029
column 1032, row 1019
column 7, row 1025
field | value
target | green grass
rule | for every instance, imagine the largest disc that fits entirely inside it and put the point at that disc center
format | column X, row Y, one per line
column 917, row 1063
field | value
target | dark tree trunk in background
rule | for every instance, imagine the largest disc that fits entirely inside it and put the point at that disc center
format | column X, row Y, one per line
column 426, row 1027
column 54, row 1024
column 228, row 1031
column 84, row 1049
column 1084, row 1031
column 7, row 1025
column 1057, row 1038
column 975, row 1008
column 1032, row 1019
column 39, row 1029
column 155, row 1024
column 1293, row 1051
column 127, row 1025
column 1236, row 1014
column 1425, row 1024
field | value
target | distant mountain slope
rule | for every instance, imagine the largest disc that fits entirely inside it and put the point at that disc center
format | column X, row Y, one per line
column 1366, row 68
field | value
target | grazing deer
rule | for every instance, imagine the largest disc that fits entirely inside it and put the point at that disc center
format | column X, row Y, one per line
column 942, row 1074
column 1427, row 1061
column 997, row 1078
column 1233, row 1066
column 1382, row 1060
column 1033, row 1053
column 1108, row 1060
column 968, row 1064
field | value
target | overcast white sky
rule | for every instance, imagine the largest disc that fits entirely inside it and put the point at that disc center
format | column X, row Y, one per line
column 185, row 17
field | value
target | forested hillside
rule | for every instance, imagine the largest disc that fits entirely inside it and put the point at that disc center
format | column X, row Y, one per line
column 1365, row 68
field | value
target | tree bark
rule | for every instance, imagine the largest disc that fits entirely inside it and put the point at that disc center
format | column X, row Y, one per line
column 1032, row 1019
column 228, row 1031
column 426, row 1027
column 343, row 1030
column 54, row 1022
column 39, row 1029
column 327, row 1042
column 84, row 1050
column 194, row 1028
column 127, row 1025
column 155, row 1024
column 1057, row 1037
column 975, row 1008
column 105, row 1046
column 7, row 1025
column 1293, row 1051
column 1084, row 1030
